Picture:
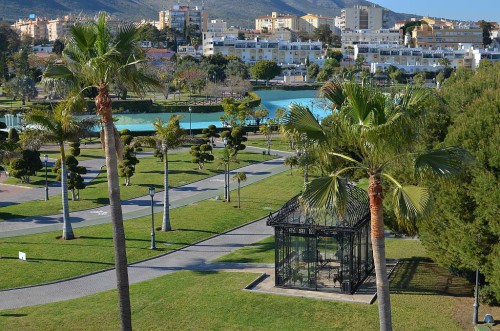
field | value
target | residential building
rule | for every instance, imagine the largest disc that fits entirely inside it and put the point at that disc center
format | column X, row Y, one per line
column 188, row 50
column 275, row 21
column 57, row 28
column 414, row 59
column 178, row 17
column 310, row 22
column 35, row 28
column 445, row 36
column 251, row 51
column 360, row 37
column 157, row 55
column 362, row 17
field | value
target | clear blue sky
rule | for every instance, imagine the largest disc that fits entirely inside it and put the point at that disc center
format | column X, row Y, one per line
column 472, row 10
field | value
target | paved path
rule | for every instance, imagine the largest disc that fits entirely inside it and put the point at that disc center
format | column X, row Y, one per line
column 137, row 207
column 195, row 257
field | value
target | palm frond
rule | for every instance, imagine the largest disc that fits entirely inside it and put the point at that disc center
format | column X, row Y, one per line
column 58, row 71
column 326, row 192
column 443, row 162
column 334, row 92
column 302, row 119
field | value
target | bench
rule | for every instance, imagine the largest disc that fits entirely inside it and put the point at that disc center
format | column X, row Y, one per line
column 482, row 328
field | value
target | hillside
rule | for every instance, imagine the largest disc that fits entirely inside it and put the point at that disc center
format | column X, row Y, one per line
column 236, row 12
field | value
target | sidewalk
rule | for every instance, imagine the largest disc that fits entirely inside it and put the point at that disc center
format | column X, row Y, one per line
column 141, row 206
column 194, row 257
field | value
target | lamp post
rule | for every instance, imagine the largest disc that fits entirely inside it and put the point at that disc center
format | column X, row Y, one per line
column 152, row 194
column 476, row 299
column 190, row 110
column 46, row 159
column 225, row 169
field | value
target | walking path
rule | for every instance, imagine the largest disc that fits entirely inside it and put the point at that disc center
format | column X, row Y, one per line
column 194, row 257
column 140, row 206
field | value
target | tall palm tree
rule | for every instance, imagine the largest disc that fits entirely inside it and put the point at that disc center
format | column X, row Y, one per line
column 95, row 57
column 171, row 136
column 291, row 161
column 240, row 177
column 379, row 132
column 59, row 126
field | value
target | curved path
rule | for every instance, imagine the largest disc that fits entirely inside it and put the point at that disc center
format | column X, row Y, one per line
column 140, row 206
column 194, row 257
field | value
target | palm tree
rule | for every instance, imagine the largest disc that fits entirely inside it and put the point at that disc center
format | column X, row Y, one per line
column 292, row 161
column 95, row 57
column 171, row 136
column 240, row 177
column 379, row 132
column 59, row 126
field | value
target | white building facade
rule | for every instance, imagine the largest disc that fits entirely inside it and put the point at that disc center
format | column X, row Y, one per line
column 251, row 51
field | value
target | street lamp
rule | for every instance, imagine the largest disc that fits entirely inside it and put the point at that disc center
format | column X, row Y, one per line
column 225, row 169
column 476, row 299
column 46, row 159
column 190, row 110
column 152, row 194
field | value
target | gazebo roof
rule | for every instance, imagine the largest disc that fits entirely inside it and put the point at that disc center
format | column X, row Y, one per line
column 294, row 215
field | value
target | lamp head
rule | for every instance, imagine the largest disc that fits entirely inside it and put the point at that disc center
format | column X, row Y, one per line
column 152, row 191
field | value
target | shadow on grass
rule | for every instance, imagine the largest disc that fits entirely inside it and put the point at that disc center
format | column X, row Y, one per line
column 60, row 260
column 13, row 315
column 196, row 230
column 256, row 248
column 421, row 275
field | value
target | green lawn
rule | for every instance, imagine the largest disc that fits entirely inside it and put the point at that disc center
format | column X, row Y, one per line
column 149, row 172
column 51, row 259
column 215, row 301
column 277, row 143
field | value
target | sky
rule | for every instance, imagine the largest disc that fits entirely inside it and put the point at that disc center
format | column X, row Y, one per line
column 472, row 10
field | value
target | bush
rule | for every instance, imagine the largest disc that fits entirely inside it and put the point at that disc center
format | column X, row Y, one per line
column 488, row 296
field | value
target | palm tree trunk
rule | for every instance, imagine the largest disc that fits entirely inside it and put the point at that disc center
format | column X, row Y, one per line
column 103, row 103
column 166, row 226
column 67, row 229
column 239, row 201
column 228, row 196
column 378, row 247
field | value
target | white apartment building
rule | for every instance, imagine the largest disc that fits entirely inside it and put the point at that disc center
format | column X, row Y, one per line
column 362, row 17
column 277, row 20
column 381, row 56
column 35, row 28
column 365, row 36
column 251, row 51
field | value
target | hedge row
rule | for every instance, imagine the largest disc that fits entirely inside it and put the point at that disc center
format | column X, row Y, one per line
column 147, row 106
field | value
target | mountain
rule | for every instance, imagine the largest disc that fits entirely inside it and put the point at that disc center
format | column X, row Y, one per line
column 236, row 12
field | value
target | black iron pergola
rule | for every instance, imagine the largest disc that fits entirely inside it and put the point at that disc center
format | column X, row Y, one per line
column 322, row 250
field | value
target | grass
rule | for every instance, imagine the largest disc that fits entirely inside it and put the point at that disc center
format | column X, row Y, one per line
column 277, row 143
column 215, row 301
column 51, row 259
column 149, row 172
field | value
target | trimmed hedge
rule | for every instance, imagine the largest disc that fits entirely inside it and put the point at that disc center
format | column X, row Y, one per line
column 134, row 106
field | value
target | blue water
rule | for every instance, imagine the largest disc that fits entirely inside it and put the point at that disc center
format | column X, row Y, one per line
column 271, row 100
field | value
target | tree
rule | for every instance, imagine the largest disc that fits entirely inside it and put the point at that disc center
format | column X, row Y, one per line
column 201, row 153
column 23, row 87
column 267, row 131
column 211, row 133
column 313, row 70
column 266, row 70
column 333, row 54
column 74, row 172
column 487, row 27
column 58, row 46
column 237, row 68
column 235, row 139
column 94, row 57
column 291, row 161
column 465, row 231
column 26, row 165
column 58, row 126
column 127, row 166
column 240, row 177
column 419, row 78
column 170, row 136
column 381, row 132
column 13, row 135
column 74, row 147
column 323, row 33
